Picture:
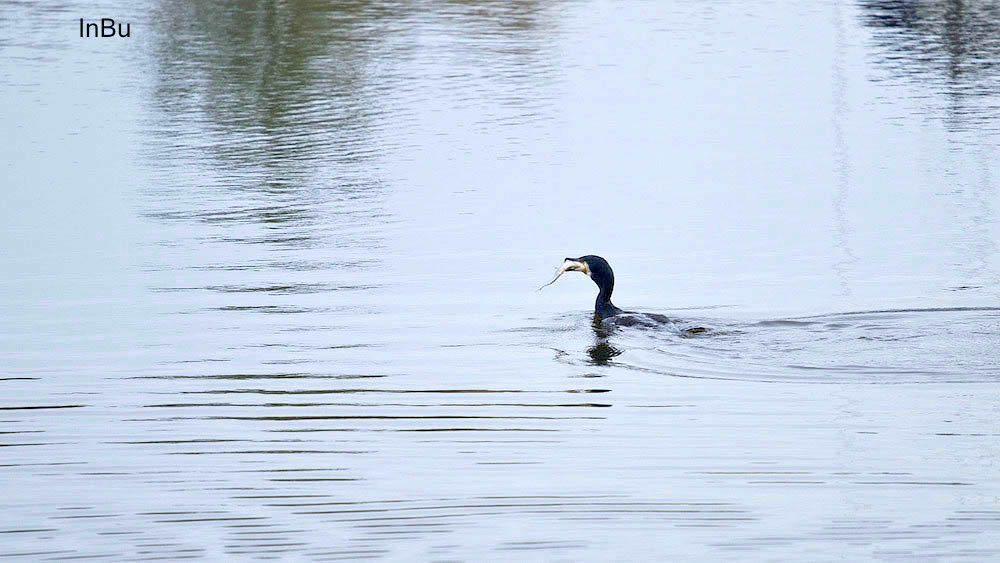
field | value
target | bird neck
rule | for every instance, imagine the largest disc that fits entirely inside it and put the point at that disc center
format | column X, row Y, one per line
column 605, row 294
column 603, row 307
column 605, row 281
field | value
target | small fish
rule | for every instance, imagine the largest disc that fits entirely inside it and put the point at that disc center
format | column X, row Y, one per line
column 569, row 265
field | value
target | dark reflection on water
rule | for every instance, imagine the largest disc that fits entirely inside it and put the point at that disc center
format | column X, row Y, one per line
column 277, row 104
column 951, row 45
column 287, row 85
column 602, row 351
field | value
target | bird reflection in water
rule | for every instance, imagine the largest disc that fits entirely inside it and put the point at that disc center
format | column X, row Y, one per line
column 602, row 351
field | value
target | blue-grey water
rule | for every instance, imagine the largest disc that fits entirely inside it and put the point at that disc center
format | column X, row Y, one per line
column 269, row 271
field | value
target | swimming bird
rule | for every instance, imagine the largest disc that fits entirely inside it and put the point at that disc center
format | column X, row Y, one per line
column 605, row 312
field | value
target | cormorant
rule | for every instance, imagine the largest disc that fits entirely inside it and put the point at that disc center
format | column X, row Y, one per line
column 605, row 311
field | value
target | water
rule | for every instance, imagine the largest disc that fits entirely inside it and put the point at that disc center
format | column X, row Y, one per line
column 269, row 279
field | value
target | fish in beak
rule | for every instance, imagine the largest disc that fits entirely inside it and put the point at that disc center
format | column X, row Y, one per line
column 569, row 265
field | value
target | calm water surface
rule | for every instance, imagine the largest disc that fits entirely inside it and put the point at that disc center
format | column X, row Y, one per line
column 269, row 278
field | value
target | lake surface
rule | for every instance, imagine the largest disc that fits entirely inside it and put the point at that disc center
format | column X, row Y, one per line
column 270, row 270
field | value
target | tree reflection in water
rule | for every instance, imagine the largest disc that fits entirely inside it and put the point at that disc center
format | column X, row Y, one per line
column 952, row 46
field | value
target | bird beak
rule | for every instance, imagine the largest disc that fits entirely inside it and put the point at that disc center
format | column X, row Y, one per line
column 569, row 265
